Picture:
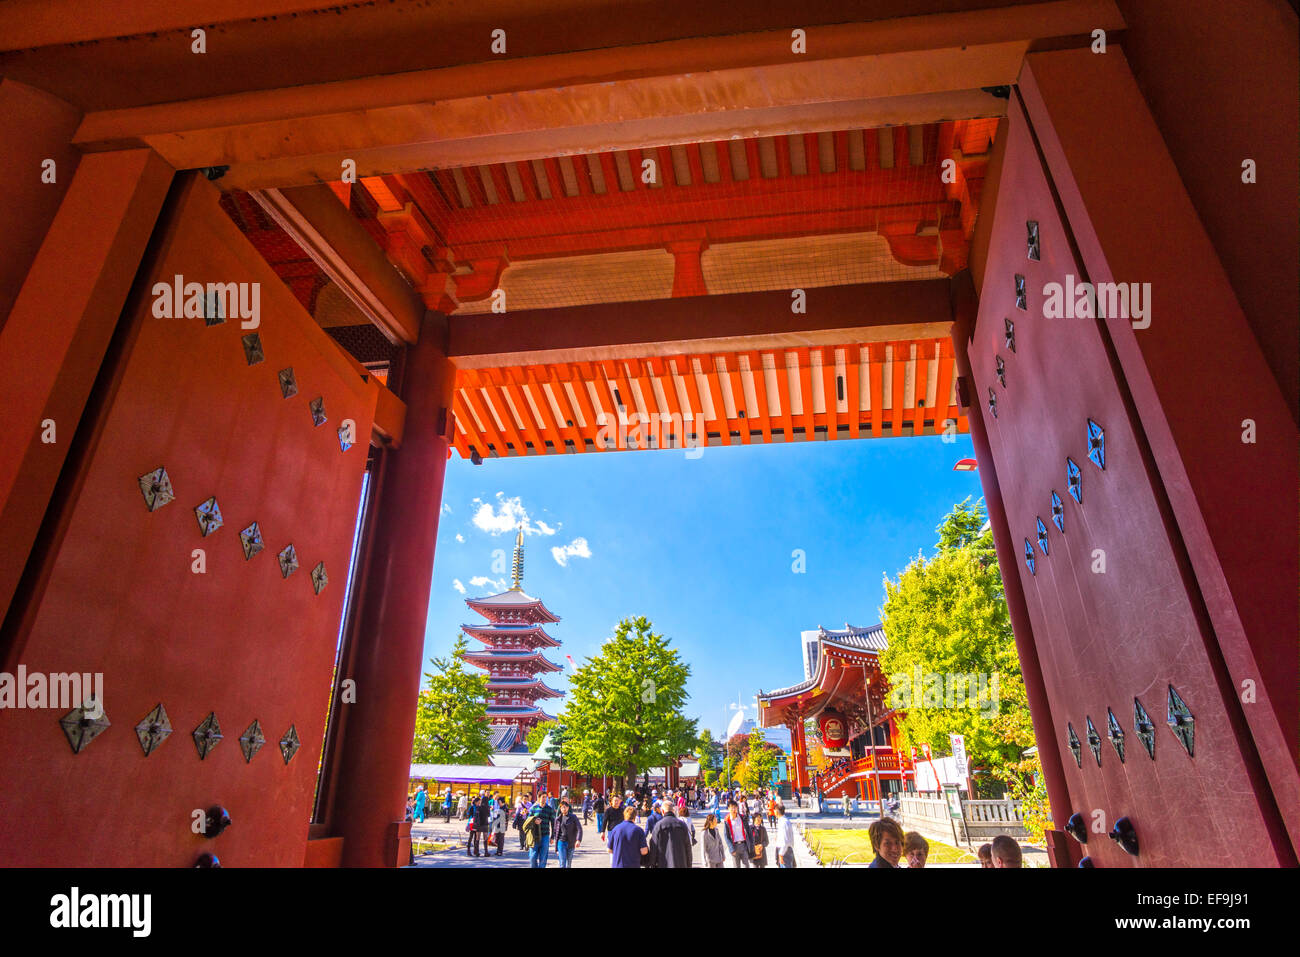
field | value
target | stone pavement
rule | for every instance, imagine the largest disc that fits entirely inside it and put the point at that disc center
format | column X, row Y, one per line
column 591, row 851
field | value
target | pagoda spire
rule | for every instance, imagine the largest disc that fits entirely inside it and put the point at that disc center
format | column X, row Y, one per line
column 518, row 570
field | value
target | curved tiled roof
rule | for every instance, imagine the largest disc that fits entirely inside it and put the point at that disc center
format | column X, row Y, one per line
column 870, row 638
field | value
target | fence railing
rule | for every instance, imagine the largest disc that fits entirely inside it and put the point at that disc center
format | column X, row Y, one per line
column 981, row 820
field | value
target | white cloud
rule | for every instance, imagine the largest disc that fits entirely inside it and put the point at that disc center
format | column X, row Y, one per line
column 446, row 509
column 480, row 581
column 506, row 516
column 455, row 583
column 460, row 538
column 577, row 548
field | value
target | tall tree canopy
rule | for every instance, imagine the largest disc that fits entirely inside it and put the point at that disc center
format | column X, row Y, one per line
column 451, row 716
column 951, row 658
column 761, row 756
column 624, row 705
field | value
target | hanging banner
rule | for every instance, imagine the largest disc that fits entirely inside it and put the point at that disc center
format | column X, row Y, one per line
column 835, row 731
column 959, row 753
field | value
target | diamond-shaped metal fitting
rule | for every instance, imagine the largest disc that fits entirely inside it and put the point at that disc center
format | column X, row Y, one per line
column 345, row 436
column 251, row 741
column 1029, row 557
column 1096, row 444
column 1181, row 722
column 1073, row 740
column 153, row 729
column 214, row 309
column 1074, row 480
column 1042, row 535
column 209, row 516
column 1011, row 334
column 1000, row 369
column 1094, row 741
column 993, row 402
column 318, row 578
column 290, row 744
column 207, row 735
column 1031, row 230
column 1021, row 302
column 251, row 539
column 253, row 348
column 288, row 561
column 1144, row 728
column 82, row 727
column 1115, row 733
column 288, row 382
column 1058, row 512
column 156, row 487
column 318, row 410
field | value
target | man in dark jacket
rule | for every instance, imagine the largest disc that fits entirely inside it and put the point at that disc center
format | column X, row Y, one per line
column 479, row 814
column 613, row 815
column 670, row 842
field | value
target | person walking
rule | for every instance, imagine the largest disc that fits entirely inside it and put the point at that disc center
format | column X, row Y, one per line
column 736, row 836
column 521, row 814
column 446, row 806
column 500, row 824
column 715, row 853
column 613, row 816
column 626, row 845
column 586, row 807
column 568, row 834
column 480, row 817
column 783, row 842
column 421, row 796
column 598, row 805
column 670, row 841
column 537, row 831
column 760, row 841
column 771, row 809
column 655, row 816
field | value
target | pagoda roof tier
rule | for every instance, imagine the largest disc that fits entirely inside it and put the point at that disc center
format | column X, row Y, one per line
column 524, row 685
column 517, row 711
column 488, row 631
column 485, row 659
column 514, row 604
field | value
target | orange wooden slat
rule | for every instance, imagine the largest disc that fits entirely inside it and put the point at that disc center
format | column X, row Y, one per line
column 710, row 369
column 943, row 410
column 490, row 432
column 785, row 418
column 877, row 383
column 805, row 394
column 686, row 369
column 461, row 441
column 533, row 429
column 534, row 377
column 549, row 375
column 853, row 388
column 760, row 393
column 738, row 395
column 899, row 372
column 924, row 352
column 830, row 392
column 583, row 372
column 478, row 379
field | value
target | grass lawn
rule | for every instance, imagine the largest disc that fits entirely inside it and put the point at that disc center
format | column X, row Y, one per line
column 428, row 847
column 830, row 844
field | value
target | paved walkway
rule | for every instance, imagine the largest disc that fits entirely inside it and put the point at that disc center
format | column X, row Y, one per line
column 591, row 851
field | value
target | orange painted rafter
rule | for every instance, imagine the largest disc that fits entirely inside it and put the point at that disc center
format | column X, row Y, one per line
column 853, row 388
column 738, row 396
column 943, row 411
column 877, row 352
column 900, row 350
column 581, row 374
column 686, row 369
column 508, row 385
column 461, row 440
column 806, row 393
column 529, row 380
column 479, row 380
column 830, row 393
column 709, row 368
column 785, row 417
column 760, row 393
column 490, row 431
column 546, row 376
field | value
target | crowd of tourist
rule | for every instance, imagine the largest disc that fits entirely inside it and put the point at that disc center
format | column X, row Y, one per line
column 643, row 827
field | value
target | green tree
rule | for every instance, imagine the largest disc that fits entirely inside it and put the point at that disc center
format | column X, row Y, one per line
column 761, row 757
column 537, row 734
column 451, row 715
column 706, row 748
column 951, row 658
column 624, row 711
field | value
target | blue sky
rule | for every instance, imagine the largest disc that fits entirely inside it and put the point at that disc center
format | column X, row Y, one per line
column 703, row 547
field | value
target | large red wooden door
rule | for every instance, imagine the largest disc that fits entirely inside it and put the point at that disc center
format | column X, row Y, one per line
column 1128, row 657
column 225, row 622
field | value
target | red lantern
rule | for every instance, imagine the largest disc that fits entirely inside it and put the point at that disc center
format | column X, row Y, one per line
column 835, row 730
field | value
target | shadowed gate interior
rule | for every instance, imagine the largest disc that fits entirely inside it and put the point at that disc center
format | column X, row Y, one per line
column 712, row 242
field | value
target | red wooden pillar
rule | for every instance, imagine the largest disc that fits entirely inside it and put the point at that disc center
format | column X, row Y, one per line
column 374, row 753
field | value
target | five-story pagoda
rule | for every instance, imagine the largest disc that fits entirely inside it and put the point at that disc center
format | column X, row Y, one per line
column 514, row 638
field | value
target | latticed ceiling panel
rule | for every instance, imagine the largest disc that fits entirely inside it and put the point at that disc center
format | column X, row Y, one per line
column 689, row 401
